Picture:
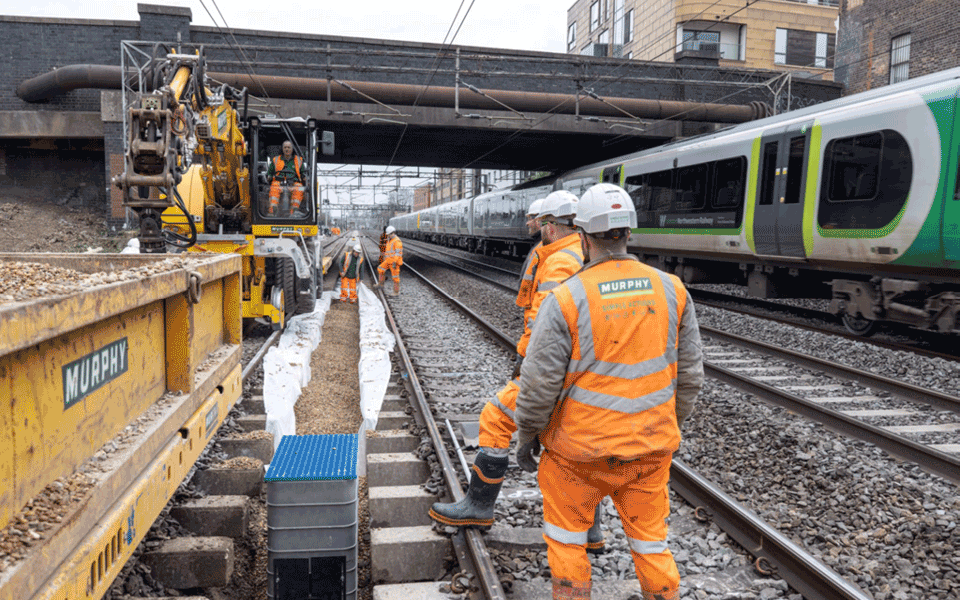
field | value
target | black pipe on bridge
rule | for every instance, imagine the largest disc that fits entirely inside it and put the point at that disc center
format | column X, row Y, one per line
column 72, row 77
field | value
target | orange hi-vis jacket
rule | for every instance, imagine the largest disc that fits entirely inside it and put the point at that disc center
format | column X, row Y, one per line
column 279, row 165
column 558, row 261
column 604, row 362
column 525, row 292
column 393, row 253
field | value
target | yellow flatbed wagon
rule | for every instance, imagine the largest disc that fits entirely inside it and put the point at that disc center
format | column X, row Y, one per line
column 115, row 370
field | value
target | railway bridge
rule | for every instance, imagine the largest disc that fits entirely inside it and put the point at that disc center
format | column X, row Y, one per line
column 388, row 102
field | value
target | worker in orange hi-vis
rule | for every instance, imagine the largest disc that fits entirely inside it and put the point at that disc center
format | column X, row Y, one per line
column 335, row 231
column 392, row 260
column 350, row 264
column 286, row 169
column 384, row 237
column 559, row 257
column 529, row 270
column 613, row 368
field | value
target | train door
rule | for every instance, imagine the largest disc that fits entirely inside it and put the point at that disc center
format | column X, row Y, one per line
column 611, row 175
column 951, row 212
column 778, row 213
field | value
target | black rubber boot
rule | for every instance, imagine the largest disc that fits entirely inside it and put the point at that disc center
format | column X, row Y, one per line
column 476, row 508
column 595, row 542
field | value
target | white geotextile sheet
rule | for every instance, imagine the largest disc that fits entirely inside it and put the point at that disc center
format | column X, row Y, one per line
column 286, row 368
column 376, row 344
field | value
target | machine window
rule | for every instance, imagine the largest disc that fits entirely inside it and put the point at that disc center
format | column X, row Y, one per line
column 728, row 182
column 768, row 173
column 956, row 186
column 798, row 152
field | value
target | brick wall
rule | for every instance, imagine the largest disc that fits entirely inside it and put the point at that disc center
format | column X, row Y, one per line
column 866, row 31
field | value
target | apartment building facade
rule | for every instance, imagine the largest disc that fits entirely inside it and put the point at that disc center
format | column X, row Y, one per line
column 889, row 41
column 798, row 35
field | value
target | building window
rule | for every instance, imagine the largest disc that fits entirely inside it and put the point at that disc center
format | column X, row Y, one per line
column 900, row 58
column 595, row 15
column 604, row 37
column 707, row 41
column 628, row 27
column 630, row 56
column 804, row 48
column 571, row 36
column 618, row 22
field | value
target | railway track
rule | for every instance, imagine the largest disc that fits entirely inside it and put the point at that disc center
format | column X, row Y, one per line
column 734, row 423
column 804, row 573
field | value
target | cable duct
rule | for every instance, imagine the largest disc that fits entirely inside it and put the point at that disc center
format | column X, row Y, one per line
column 73, row 77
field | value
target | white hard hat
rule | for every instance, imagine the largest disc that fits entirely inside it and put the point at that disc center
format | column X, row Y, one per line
column 535, row 207
column 604, row 207
column 390, row 229
column 357, row 248
column 559, row 204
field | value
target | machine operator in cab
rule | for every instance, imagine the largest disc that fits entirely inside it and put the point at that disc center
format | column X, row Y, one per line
column 613, row 368
column 286, row 169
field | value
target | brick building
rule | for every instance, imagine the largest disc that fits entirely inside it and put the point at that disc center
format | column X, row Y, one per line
column 773, row 34
column 423, row 196
column 887, row 41
column 451, row 185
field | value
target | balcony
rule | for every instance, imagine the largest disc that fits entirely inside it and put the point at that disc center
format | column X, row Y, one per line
column 709, row 49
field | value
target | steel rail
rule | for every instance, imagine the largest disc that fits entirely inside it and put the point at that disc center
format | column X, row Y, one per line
column 906, row 391
column 934, row 461
column 510, row 272
column 258, row 357
column 419, row 252
column 799, row 568
column 805, row 573
column 721, row 301
column 483, row 563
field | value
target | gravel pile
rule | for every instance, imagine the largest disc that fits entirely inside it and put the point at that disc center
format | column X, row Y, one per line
column 26, row 280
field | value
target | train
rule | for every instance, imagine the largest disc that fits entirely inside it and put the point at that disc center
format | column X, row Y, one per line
column 856, row 200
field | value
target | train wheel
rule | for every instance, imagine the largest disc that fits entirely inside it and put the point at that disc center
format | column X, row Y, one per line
column 858, row 326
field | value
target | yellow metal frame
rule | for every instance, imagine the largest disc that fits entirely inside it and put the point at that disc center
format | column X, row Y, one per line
column 166, row 332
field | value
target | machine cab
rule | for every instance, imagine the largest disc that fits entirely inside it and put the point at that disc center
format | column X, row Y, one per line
column 278, row 197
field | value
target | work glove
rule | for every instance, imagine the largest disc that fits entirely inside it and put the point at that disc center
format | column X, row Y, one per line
column 526, row 455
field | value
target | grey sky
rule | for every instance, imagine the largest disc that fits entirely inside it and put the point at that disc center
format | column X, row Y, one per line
column 519, row 24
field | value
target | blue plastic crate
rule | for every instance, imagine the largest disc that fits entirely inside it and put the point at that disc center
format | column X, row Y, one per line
column 314, row 458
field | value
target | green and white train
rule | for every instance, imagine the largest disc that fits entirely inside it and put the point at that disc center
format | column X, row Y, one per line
column 857, row 200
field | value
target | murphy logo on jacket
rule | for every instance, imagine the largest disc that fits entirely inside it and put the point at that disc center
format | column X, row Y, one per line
column 635, row 286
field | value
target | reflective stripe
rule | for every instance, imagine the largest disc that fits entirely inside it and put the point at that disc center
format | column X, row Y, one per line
column 527, row 277
column 620, row 404
column 496, row 402
column 672, row 310
column 576, row 256
column 588, row 361
column 546, row 286
column 642, row 547
column 565, row 537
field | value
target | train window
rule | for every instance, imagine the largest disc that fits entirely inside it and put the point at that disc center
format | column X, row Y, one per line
column 728, row 182
column 768, row 172
column 956, row 186
column 661, row 191
column 854, row 167
column 639, row 191
column 692, row 183
column 866, row 180
column 798, row 151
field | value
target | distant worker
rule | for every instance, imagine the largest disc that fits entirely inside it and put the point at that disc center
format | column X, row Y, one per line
column 383, row 243
column 392, row 259
column 335, row 231
column 350, row 264
column 613, row 369
column 560, row 257
column 529, row 270
column 286, row 170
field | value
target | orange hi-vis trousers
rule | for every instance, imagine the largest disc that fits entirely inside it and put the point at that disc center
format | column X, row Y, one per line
column 497, row 423
column 571, row 491
column 296, row 197
column 348, row 290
